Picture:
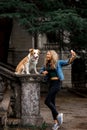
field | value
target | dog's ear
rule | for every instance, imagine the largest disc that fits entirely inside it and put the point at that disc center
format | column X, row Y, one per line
column 38, row 51
column 31, row 50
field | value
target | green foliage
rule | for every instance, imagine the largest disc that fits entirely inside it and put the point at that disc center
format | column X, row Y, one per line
column 79, row 35
column 49, row 16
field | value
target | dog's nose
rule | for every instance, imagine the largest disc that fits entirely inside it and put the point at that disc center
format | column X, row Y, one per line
column 36, row 56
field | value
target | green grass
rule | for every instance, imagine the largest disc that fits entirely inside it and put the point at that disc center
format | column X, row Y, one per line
column 27, row 127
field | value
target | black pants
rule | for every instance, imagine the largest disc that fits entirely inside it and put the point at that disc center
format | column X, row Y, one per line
column 50, row 99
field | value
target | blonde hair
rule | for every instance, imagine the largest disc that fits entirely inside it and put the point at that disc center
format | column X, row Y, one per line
column 53, row 60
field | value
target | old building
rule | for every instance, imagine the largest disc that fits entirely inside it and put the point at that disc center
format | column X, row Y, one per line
column 16, row 42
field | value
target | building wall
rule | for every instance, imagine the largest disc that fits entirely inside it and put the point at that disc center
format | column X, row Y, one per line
column 21, row 41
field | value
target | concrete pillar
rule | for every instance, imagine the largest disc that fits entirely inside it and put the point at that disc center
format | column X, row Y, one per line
column 30, row 100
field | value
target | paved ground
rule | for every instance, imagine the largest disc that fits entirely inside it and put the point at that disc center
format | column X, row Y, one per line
column 73, row 107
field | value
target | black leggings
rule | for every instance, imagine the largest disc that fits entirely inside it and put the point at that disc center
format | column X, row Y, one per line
column 50, row 99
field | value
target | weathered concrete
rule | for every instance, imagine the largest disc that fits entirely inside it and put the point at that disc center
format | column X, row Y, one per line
column 24, row 99
column 30, row 100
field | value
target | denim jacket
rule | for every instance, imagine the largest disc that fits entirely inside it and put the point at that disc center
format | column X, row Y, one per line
column 59, row 66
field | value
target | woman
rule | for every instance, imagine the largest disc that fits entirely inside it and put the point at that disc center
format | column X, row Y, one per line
column 52, row 70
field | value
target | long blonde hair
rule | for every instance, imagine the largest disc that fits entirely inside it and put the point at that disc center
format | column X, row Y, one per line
column 53, row 60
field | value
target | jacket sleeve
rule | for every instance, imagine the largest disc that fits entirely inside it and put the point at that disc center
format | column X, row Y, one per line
column 63, row 62
column 42, row 69
column 60, row 64
column 46, row 77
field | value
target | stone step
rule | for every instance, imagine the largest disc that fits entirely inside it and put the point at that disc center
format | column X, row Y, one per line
column 4, row 107
column 13, row 121
column 4, row 104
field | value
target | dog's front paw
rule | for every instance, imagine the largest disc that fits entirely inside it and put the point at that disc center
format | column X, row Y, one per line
column 16, row 73
column 37, row 72
column 28, row 73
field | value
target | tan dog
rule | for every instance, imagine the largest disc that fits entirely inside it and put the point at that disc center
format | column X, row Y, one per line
column 28, row 63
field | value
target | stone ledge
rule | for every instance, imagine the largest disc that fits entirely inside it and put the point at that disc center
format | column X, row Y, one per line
column 30, row 77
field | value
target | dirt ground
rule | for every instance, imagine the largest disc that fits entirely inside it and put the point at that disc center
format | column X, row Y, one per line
column 73, row 107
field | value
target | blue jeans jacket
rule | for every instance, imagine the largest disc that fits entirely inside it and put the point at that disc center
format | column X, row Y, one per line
column 59, row 66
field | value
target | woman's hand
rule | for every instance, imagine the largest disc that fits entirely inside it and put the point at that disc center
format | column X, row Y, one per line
column 73, row 57
column 45, row 73
column 73, row 53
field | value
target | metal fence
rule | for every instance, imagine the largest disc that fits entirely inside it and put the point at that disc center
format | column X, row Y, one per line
column 79, row 71
column 78, row 68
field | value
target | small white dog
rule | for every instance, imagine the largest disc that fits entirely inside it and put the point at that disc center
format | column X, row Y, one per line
column 28, row 63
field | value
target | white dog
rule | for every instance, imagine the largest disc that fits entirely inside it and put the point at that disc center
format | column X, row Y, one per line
column 28, row 63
